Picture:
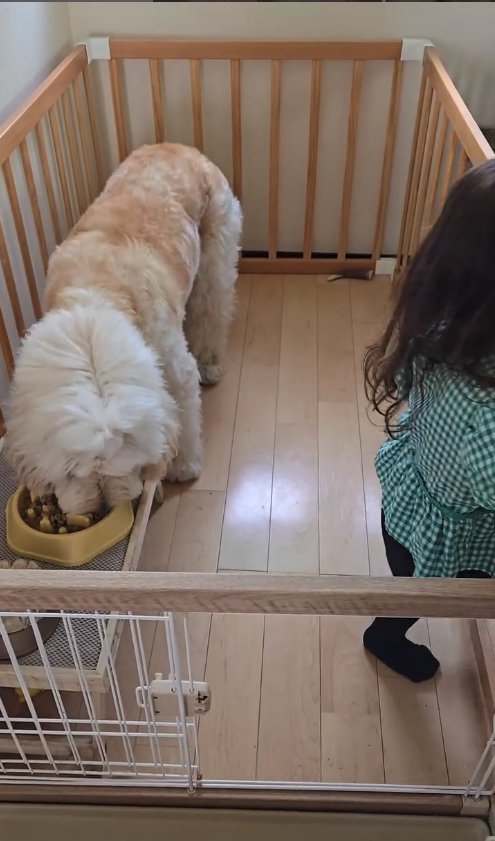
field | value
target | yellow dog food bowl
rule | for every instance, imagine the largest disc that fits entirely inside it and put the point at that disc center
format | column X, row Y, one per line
column 66, row 550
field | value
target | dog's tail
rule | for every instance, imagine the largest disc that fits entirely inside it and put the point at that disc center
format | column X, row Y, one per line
column 222, row 218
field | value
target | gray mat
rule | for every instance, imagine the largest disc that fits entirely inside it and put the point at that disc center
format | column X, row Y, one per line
column 85, row 630
column 131, row 823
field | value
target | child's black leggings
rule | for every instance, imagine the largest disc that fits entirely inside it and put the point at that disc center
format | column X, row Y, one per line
column 386, row 637
column 401, row 564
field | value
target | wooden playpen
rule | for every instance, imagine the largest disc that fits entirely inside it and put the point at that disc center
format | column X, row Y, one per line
column 55, row 153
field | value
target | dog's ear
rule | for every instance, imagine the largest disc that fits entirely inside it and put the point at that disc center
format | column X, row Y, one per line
column 154, row 472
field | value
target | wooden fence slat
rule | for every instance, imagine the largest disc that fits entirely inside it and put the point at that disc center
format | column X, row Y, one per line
column 90, row 181
column 352, row 130
column 47, row 179
column 21, row 236
column 8, row 356
column 157, row 99
column 436, row 167
column 274, row 173
column 197, row 103
column 75, row 163
column 10, row 284
column 417, row 168
column 425, row 175
column 388, row 159
column 462, row 164
column 314, row 130
column 235, row 87
column 88, row 89
column 61, row 166
column 412, row 165
column 35, row 205
column 449, row 165
column 118, row 107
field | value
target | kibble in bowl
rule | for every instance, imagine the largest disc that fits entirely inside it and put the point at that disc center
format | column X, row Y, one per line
column 37, row 528
column 43, row 513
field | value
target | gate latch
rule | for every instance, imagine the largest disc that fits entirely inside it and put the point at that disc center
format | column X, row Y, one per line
column 197, row 696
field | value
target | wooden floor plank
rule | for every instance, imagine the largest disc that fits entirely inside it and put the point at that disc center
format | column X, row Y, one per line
column 343, row 543
column 371, row 300
column 412, row 734
column 195, row 548
column 297, row 385
column 198, row 530
column 289, row 731
column 336, row 372
column 160, row 532
column 294, row 518
column 460, row 698
column 247, row 513
column 371, row 424
column 154, row 557
column 351, row 740
column 229, row 732
column 220, row 402
column 373, row 506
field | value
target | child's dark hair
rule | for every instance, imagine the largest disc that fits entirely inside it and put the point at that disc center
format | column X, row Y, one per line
column 445, row 307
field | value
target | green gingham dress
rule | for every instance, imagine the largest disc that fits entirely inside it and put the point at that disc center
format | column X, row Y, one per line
column 438, row 477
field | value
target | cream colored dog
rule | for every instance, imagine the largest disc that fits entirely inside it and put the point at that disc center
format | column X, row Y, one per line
column 138, row 302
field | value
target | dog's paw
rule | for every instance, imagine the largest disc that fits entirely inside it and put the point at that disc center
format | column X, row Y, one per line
column 183, row 471
column 209, row 374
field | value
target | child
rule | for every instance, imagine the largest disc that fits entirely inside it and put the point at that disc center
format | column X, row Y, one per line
column 437, row 468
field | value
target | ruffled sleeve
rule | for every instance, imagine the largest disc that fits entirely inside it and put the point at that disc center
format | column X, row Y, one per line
column 479, row 456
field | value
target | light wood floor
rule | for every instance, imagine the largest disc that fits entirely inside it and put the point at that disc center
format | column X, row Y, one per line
column 289, row 485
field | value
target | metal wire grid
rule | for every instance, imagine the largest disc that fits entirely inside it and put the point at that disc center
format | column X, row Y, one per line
column 482, row 781
column 122, row 749
column 91, row 745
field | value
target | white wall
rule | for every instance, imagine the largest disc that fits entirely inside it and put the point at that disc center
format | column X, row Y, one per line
column 463, row 32
column 467, row 49
column 33, row 38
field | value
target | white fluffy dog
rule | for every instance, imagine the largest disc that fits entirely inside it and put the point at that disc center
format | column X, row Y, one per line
column 138, row 302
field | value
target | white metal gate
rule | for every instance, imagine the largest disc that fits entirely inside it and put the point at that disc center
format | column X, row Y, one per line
column 119, row 723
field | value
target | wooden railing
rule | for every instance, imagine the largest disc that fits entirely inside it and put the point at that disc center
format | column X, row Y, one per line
column 278, row 53
column 446, row 142
column 51, row 164
column 154, row 592
column 51, row 156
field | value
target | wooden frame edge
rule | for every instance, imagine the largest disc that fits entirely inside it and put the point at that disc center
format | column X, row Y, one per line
column 163, row 48
column 484, row 655
column 153, row 593
column 394, row 803
column 301, row 265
